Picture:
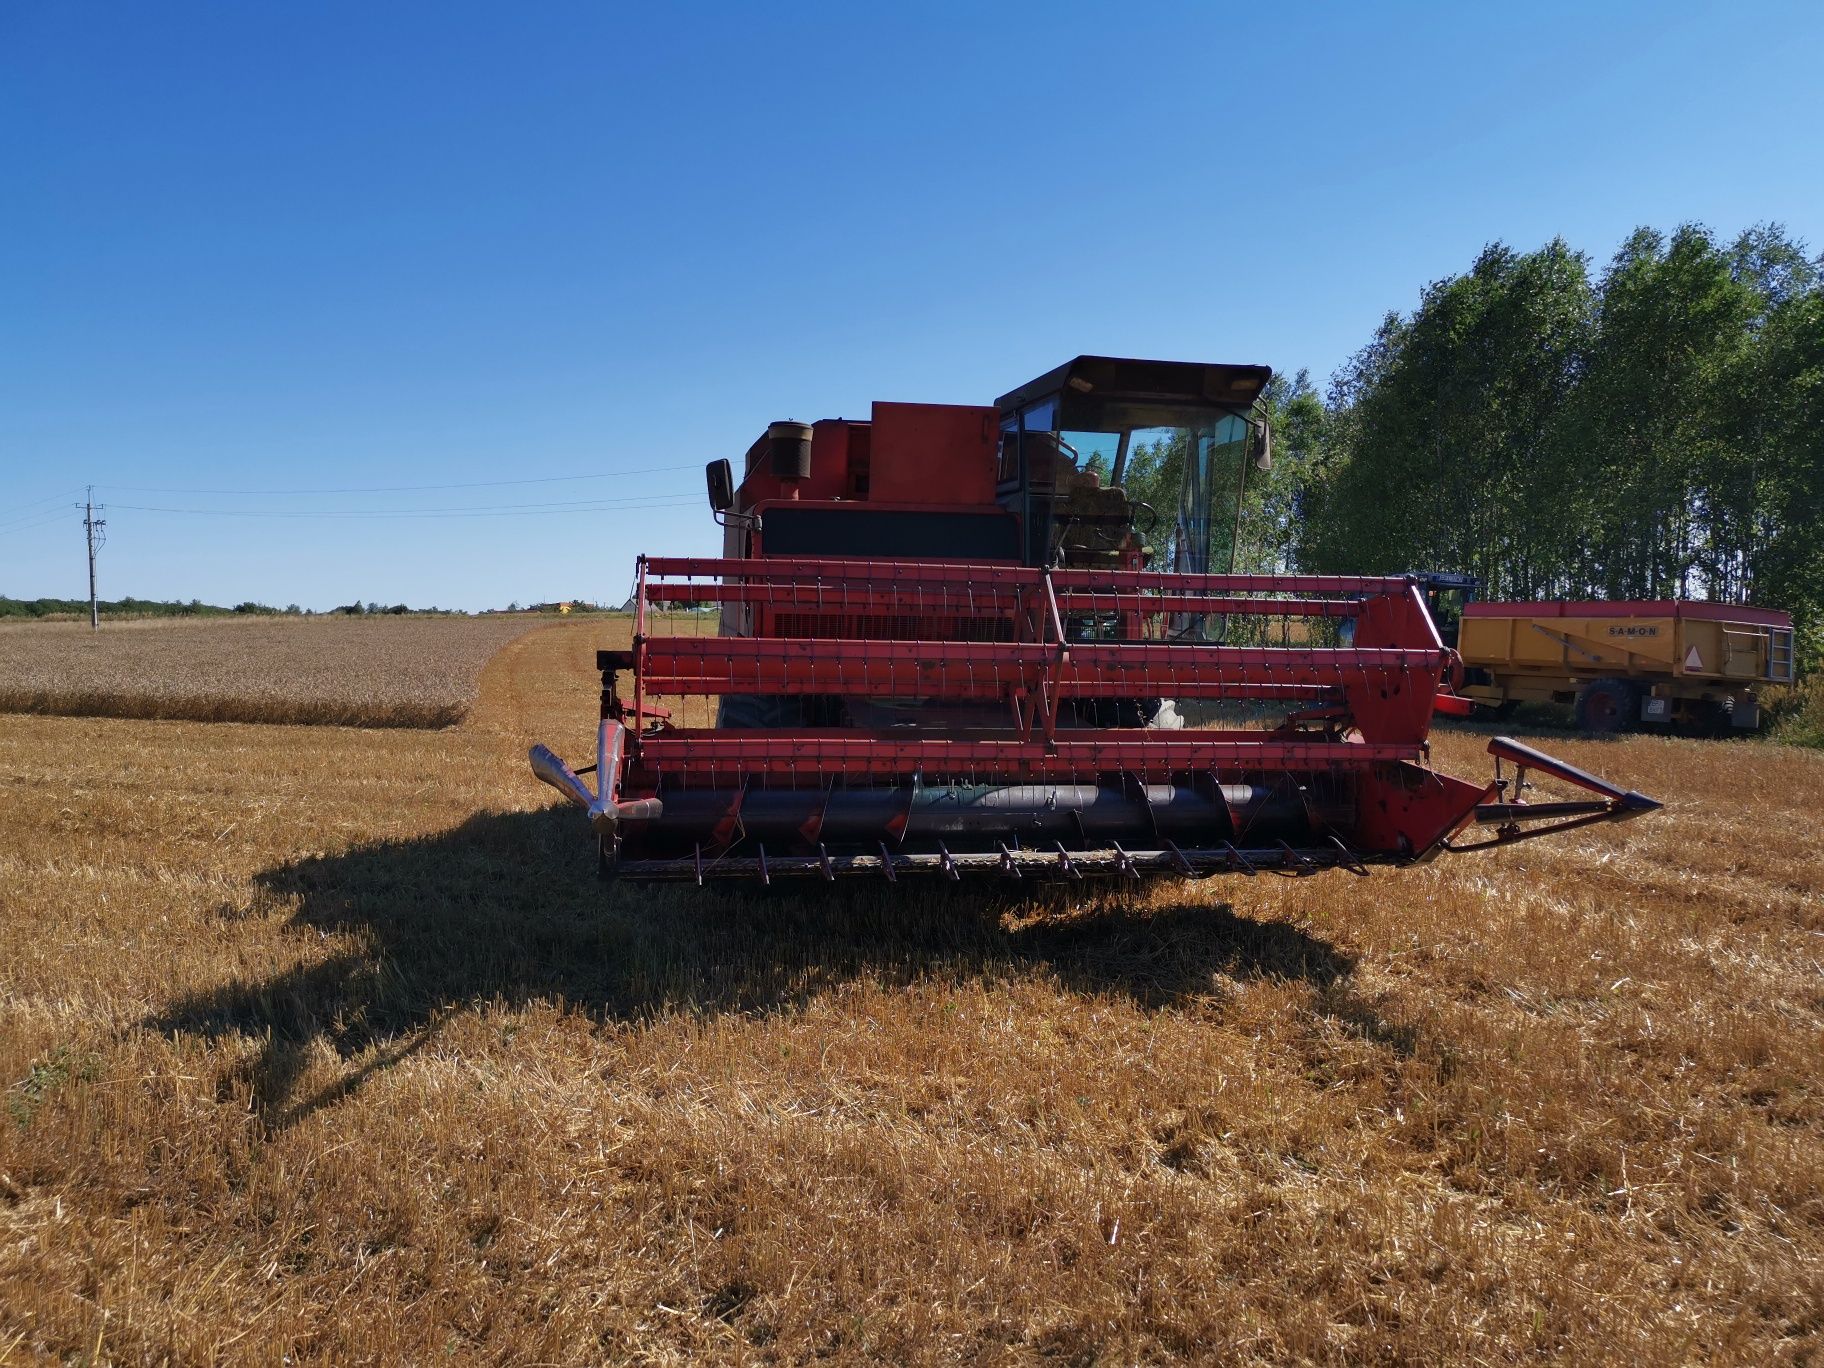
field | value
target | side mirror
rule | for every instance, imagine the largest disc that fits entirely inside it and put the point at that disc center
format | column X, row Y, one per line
column 1263, row 445
column 721, row 481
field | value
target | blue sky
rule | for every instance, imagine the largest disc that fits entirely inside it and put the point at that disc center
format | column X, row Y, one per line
column 259, row 247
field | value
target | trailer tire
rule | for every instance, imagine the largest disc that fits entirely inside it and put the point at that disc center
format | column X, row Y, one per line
column 1707, row 718
column 1606, row 707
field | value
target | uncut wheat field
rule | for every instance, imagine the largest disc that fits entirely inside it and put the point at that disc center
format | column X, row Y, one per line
column 324, row 1045
column 382, row 671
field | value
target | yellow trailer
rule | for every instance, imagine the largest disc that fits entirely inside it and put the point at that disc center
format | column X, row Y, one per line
column 1623, row 664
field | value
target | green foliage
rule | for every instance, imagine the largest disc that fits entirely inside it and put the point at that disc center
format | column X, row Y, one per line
column 1655, row 432
column 1441, row 428
column 1270, row 499
column 141, row 608
column 1154, row 470
column 45, row 1077
column 1798, row 713
column 125, row 607
column 1273, row 512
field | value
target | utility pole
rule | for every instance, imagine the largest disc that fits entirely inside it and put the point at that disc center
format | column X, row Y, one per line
column 97, row 537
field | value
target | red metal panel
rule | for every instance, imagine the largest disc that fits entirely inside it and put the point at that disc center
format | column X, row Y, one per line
column 1119, row 581
column 1118, row 685
column 1406, row 809
column 835, row 443
column 987, row 669
column 989, row 633
column 811, row 755
column 932, row 453
column 876, row 573
column 844, row 598
column 1148, row 604
column 1396, row 710
column 1066, row 581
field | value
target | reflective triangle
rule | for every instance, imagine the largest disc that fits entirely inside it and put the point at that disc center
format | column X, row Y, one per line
column 1693, row 661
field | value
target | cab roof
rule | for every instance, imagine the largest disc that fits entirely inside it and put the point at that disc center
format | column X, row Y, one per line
column 1090, row 388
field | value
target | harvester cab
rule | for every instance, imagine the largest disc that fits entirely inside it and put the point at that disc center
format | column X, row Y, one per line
column 948, row 635
column 1068, row 437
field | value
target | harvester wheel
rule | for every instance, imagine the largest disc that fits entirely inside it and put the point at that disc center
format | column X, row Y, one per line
column 757, row 710
column 743, row 711
column 1607, row 706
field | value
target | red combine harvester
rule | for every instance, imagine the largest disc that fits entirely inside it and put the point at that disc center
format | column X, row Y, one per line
column 942, row 652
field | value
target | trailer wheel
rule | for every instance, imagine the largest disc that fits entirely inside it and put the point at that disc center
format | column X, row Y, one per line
column 1700, row 717
column 1607, row 706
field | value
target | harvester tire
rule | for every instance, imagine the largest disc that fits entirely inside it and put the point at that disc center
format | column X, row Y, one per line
column 1607, row 706
column 740, row 712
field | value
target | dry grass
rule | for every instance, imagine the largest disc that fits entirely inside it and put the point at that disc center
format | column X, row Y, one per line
column 327, row 1045
column 380, row 672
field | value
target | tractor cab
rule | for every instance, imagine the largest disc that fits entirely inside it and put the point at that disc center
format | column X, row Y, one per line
column 1103, row 457
column 1446, row 596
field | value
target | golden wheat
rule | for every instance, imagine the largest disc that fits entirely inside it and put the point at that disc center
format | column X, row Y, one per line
column 327, row 1046
column 380, row 672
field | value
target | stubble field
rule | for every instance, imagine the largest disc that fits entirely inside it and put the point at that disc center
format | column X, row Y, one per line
column 326, row 1044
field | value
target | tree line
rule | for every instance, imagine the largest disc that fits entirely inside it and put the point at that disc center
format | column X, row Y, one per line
column 131, row 607
column 54, row 608
column 1652, row 430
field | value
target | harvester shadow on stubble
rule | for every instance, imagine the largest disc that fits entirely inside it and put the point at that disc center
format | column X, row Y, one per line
column 506, row 909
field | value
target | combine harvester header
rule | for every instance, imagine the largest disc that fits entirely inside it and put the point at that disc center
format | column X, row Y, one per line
column 941, row 652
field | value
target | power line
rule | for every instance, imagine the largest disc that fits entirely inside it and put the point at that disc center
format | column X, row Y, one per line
column 39, row 513
column 32, row 520
column 407, row 489
column 47, row 499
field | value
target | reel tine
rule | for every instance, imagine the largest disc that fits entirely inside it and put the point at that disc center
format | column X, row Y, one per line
column 1348, row 859
column 1301, row 863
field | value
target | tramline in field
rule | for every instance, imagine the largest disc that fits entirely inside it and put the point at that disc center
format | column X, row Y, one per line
column 941, row 652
